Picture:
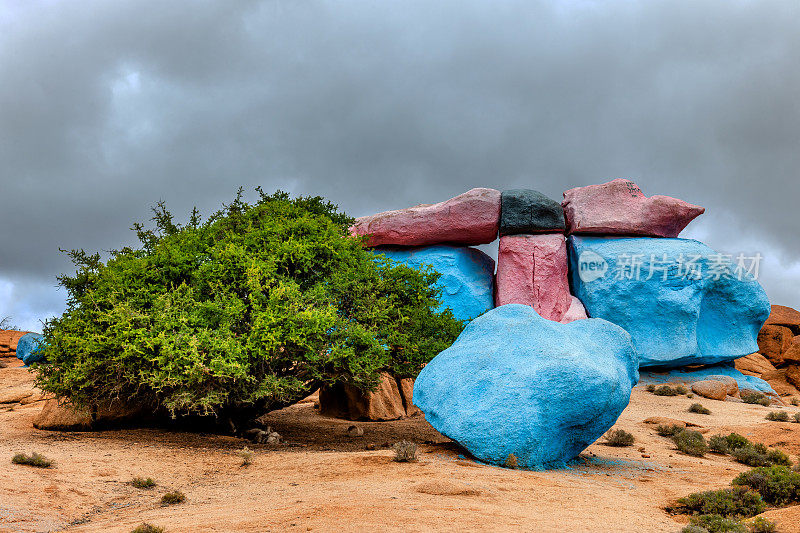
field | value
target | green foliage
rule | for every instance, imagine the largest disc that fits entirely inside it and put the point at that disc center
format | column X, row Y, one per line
column 148, row 528
column 698, row 408
column 143, row 483
column 756, row 454
column 691, row 443
column 172, row 498
column 718, row 444
column 736, row 502
column 669, row 430
column 777, row 416
column 665, row 390
column 714, row 523
column 35, row 459
column 777, row 485
column 250, row 310
column 761, row 525
column 405, row 452
column 619, row 437
column 755, row 398
column 736, row 441
column 693, row 529
column 680, row 389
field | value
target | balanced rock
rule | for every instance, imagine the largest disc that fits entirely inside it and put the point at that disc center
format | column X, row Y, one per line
column 620, row 208
column 26, row 348
column 781, row 315
column 516, row 383
column 386, row 402
column 532, row 270
column 467, row 280
column 677, row 313
column 527, row 211
column 469, row 218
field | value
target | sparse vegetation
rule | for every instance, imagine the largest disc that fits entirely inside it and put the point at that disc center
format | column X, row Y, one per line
column 619, row 437
column 148, row 528
column 680, row 389
column 665, row 390
column 691, row 443
column 143, row 482
column 405, row 452
column 761, row 525
column 172, row 498
column 736, row 441
column 511, row 461
column 699, row 409
column 714, row 523
column 718, row 444
column 737, row 502
column 669, row 430
column 35, row 459
column 777, row 485
column 757, row 454
column 246, row 455
column 777, row 416
column 651, row 387
column 753, row 397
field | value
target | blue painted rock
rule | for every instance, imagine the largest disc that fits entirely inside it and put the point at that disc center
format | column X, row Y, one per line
column 516, row 383
column 711, row 372
column 680, row 300
column 467, row 280
column 26, row 348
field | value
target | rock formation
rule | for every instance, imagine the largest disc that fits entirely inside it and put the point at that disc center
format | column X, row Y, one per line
column 515, row 383
column 389, row 401
column 526, row 211
column 8, row 342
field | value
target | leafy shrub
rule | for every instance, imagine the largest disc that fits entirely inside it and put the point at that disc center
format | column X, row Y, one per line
column 698, row 408
column 761, row 525
column 247, row 456
column 756, row 454
column 148, row 528
column 777, row 416
column 669, row 430
column 777, row 485
column 714, row 523
column 680, row 389
column 35, row 459
column 718, row 444
column 736, row 502
column 736, row 441
column 248, row 311
column 405, row 452
column 143, row 483
column 694, row 529
column 619, row 437
column 171, row 498
column 691, row 443
column 755, row 398
column 665, row 390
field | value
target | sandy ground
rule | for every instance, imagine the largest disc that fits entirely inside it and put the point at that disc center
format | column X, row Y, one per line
column 321, row 479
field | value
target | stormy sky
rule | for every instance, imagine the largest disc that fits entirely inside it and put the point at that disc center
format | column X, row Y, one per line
column 107, row 107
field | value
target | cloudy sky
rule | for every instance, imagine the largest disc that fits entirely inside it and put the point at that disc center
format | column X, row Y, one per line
column 107, row 107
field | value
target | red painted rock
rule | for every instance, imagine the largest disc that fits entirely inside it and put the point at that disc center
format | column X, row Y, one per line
column 575, row 312
column 784, row 316
column 620, row 208
column 469, row 218
column 532, row 270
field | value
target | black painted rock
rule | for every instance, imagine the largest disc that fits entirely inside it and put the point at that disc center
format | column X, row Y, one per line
column 527, row 211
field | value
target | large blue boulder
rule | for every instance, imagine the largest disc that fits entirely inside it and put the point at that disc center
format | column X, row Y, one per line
column 467, row 280
column 682, row 302
column 516, row 383
column 26, row 348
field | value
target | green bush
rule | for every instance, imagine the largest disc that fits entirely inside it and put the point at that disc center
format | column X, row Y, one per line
column 651, row 387
column 405, row 452
column 665, row 390
column 148, row 528
column 35, row 459
column 691, row 443
column 777, row 485
column 756, row 454
column 718, row 444
column 619, row 437
column 680, row 389
column 172, row 498
column 669, row 430
column 755, row 398
column 248, row 311
column 777, row 416
column 693, row 529
column 698, row 408
column 736, row 441
column 714, row 523
column 738, row 502
column 143, row 483
column 761, row 525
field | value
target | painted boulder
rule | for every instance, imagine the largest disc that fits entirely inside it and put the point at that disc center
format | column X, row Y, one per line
column 532, row 270
column 711, row 372
column 619, row 207
column 469, row 218
column 26, row 348
column 682, row 302
column 467, row 279
column 527, row 211
column 516, row 383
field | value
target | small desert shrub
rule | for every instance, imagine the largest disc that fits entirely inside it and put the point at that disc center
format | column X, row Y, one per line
column 35, row 459
column 143, row 482
column 665, row 390
column 738, row 502
column 619, row 437
column 171, row 498
column 405, row 452
column 756, row 454
column 777, row 485
column 697, row 408
column 680, row 389
column 777, row 416
column 718, row 444
column 755, row 398
column 651, row 388
column 669, row 430
column 762, row 525
column 736, row 441
column 148, row 528
column 691, row 443
column 247, row 456
column 511, row 461
column 714, row 523
column 694, row 529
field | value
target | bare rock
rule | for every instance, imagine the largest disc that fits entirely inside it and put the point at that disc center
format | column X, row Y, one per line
column 713, row 390
column 732, row 387
column 65, row 417
column 792, row 354
column 346, row 401
column 793, row 375
column 774, row 341
column 784, row 316
column 355, row 431
column 407, row 392
column 754, row 364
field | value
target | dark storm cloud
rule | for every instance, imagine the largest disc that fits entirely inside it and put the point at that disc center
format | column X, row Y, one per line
column 107, row 107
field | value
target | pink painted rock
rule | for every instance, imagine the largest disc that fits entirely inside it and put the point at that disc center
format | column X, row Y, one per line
column 469, row 218
column 576, row 311
column 620, row 208
column 532, row 270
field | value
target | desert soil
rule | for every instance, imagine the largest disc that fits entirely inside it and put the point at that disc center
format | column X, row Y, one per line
column 321, row 479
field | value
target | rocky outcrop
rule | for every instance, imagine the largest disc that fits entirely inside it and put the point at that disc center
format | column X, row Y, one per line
column 781, row 315
column 676, row 314
column 792, row 354
column 689, row 375
column 754, row 364
column 469, row 218
column 773, row 341
column 8, row 342
column 526, row 211
column 532, row 270
column 515, row 383
column 390, row 400
column 467, row 280
column 620, row 208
